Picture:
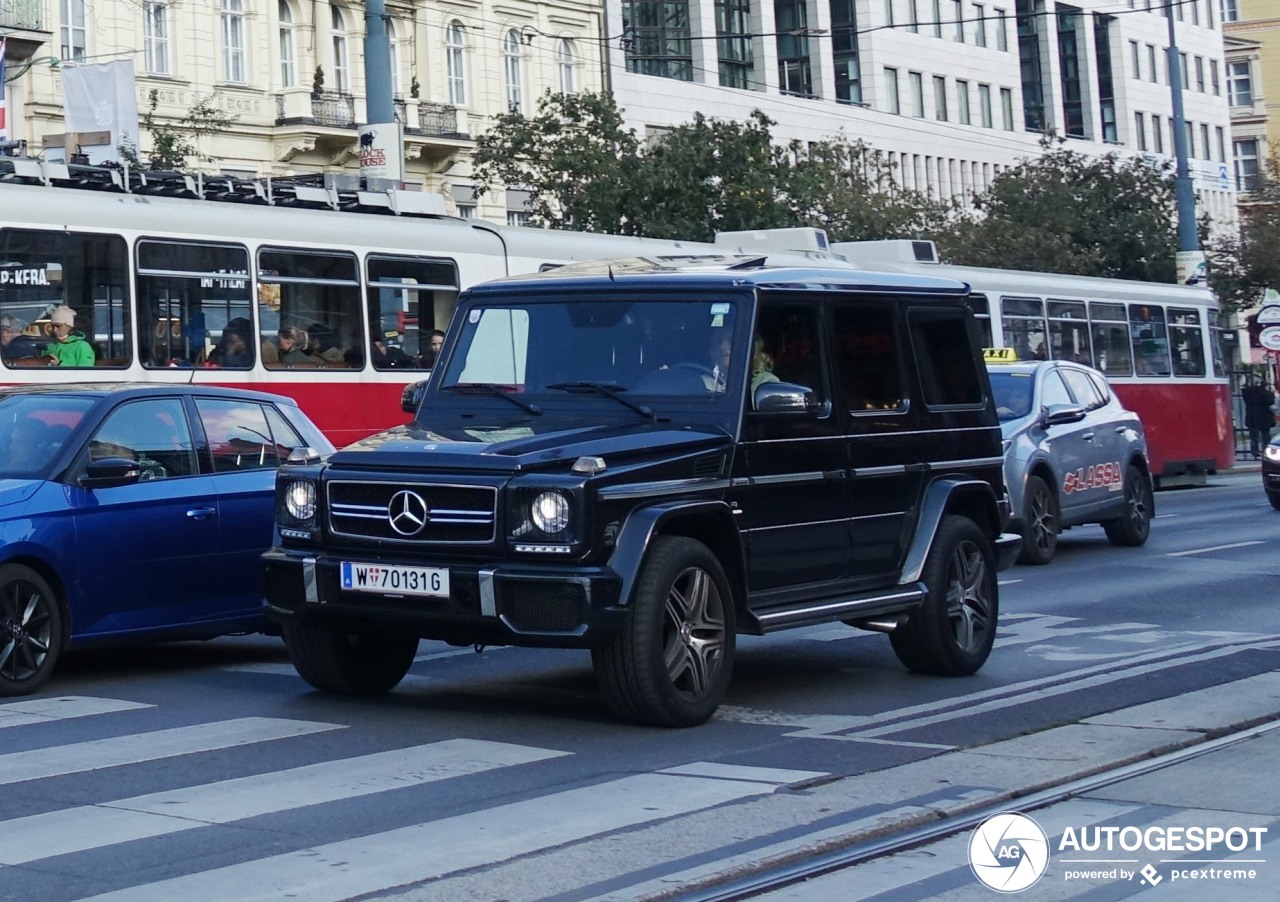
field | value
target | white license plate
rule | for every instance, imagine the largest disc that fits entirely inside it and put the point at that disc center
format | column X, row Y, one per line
column 427, row 581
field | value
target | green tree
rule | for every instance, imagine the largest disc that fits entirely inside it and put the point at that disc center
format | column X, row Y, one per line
column 573, row 156
column 849, row 189
column 173, row 142
column 1067, row 212
column 714, row 175
column 1243, row 266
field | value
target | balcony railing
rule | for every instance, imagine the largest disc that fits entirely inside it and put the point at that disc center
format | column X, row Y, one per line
column 26, row 14
column 337, row 110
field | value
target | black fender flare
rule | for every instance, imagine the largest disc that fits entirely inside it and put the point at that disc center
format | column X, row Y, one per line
column 644, row 524
column 935, row 505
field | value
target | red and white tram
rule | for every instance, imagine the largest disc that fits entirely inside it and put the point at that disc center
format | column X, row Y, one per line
column 156, row 282
column 1159, row 345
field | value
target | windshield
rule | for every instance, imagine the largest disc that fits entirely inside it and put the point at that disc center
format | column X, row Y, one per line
column 598, row 348
column 34, row 428
column 1013, row 393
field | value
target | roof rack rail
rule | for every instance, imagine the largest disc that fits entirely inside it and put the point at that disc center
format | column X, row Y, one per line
column 315, row 190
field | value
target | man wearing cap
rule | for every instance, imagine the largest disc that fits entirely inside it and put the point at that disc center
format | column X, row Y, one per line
column 14, row 345
column 69, row 347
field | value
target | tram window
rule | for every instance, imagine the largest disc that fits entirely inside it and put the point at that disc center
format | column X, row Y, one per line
column 313, row 296
column 190, row 295
column 1217, row 346
column 407, row 298
column 1110, row 332
column 1150, row 340
column 1186, row 340
column 1024, row 327
column 41, row 270
column 982, row 313
column 1069, row 331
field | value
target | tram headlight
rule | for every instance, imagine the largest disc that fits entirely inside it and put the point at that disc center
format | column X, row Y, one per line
column 300, row 500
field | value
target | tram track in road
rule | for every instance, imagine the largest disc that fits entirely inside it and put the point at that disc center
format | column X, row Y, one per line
column 789, row 871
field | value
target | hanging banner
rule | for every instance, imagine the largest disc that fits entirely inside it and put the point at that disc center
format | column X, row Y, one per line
column 102, row 97
column 382, row 151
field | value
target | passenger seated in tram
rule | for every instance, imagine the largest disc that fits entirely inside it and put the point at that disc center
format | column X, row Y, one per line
column 232, row 349
column 16, row 344
column 289, row 347
column 323, row 343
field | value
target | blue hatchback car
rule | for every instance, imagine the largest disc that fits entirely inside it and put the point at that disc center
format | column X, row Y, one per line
column 134, row 513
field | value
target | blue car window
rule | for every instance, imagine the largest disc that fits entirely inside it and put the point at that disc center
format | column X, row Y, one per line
column 154, row 433
column 241, row 437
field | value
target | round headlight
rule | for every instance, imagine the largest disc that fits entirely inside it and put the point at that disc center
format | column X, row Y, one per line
column 550, row 512
column 300, row 499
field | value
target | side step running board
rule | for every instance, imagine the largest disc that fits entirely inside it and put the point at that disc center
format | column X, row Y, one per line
column 856, row 607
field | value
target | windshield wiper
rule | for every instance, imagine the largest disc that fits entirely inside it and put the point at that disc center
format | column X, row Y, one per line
column 609, row 390
column 493, row 388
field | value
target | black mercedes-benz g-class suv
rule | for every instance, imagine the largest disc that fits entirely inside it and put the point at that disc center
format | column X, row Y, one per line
column 644, row 458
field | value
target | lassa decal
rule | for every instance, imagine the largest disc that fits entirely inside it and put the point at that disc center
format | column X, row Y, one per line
column 1099, row 476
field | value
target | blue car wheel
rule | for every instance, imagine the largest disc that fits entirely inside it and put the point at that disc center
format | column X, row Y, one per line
column 31, row 634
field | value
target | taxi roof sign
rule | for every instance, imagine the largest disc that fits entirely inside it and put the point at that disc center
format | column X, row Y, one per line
column 999, row 355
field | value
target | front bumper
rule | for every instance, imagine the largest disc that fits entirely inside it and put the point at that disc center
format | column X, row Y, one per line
column 1008, row 546
column 488, row 604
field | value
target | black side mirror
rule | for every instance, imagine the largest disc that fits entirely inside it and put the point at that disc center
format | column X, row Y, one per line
column 411, row 397
column 110, row 472
column 784, row 397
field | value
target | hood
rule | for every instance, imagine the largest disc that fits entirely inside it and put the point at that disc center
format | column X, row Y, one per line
column 522, row 446
column 16, row 491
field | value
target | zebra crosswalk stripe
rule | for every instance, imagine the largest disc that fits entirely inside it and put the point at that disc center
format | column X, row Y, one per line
column 36, row 764
column 65, row 707
column 40, row 836
column 408, row 855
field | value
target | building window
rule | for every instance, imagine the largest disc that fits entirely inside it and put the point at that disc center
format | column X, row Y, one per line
column 456, row 63
column 1206, row 152
column 844, row 51
column 1106, row 81
column 512, row 63
column 1220, row 140
column 1230, row 11
column 957, row 20
column 1135, row 59
column 1186, row 70
column 915, row 82
column 71, row 31
column 1140, row 131
column 1002, row 34
column 888, row 13
column 1006, row 108
column 1245, row 151
column 937, row 18
column 1157, row 134
column 892, row 99
column 913, row 15
column 962, row 102
column 1069, row 71
column 656, row 38
column 1030, row 26
column 393, row 46
column 566, row 65
column 233, row 42
column 288, row 47
column 1153, row 64
column 341, row 65
column 979, row 25
column 155, row 38
column 795, row 69
column 940, row 98
column 733, row 46
column 1214, row 78
column 1239, row 84
column 1200, row 74
column 984, row 105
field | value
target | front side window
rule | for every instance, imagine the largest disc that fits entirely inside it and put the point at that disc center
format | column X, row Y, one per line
column 155, row 38
column 456, row 63
column 154, row 432
column 511, row 68
column 79, row 282
column 71, row 30
column 233, row 42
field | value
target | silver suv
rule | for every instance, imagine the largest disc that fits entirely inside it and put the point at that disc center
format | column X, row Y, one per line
column 1072, row 454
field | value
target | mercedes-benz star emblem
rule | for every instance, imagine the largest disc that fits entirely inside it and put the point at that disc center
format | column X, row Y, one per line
column 407, row 513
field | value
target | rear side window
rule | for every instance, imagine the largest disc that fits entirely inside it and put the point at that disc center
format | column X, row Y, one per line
column 245, row 435
column 945, row 359
column 1083, row 388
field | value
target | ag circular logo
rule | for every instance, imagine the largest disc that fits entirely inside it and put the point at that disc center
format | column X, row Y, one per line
column 1008, row 852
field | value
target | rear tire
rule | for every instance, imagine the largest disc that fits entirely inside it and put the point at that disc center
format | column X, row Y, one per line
column 952, row 633
column 1134, row 526
column 670, row 666
column 333, row 659
column 31, row 630
column 1040, row 537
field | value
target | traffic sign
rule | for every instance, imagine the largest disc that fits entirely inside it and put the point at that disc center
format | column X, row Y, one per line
column 1268, row 315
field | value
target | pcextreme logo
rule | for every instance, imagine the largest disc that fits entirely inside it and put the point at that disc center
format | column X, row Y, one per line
column 1009, row 852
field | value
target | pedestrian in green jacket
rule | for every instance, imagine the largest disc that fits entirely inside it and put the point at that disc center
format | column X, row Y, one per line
column 69, row 348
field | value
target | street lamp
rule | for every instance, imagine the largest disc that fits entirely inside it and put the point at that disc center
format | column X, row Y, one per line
column 1189, row 254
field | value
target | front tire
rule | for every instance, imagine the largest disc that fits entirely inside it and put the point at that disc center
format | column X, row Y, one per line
column 952, row 633
column 333, row 659
column 1040, row 538
column 1134, row 526
column 670, row 666
column 31, row 630
column 1274, row 498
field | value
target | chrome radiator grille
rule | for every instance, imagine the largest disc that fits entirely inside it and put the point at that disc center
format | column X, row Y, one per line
column 413, row 512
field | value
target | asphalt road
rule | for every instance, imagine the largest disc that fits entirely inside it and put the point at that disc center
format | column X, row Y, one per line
column 211, row 769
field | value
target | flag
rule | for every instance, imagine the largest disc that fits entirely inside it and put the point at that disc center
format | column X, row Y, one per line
column 102, row 97
column 3, row 133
